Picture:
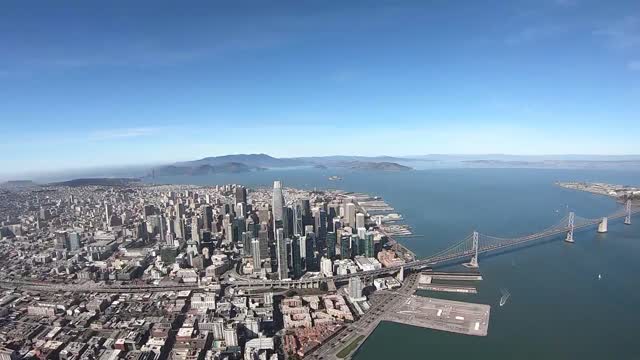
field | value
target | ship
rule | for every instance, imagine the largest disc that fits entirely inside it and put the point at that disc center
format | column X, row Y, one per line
column 505, row 296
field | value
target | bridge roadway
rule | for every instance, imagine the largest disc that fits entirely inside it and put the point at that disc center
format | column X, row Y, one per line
column 430, row 261
column 438, row 259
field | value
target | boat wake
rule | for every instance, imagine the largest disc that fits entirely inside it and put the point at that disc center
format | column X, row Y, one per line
column 505, row 296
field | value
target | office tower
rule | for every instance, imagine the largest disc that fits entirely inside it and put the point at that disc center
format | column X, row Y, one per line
column 148, row 210
column 73, row 241
column 297, row 259
column 277, row 205
column 336, row 224
column 331, row 214
column 179, row 208
column 310, row 252
column 252, row 326
column 229, row 233
column 307, row 217
column 298, row 226
column 369, row 246
column 355, row 288
column 108, row 211
column 331, row 244
column 239, row 226
column 179, row 228
column 218, row 329
column 287, row 222
column 326, row 267
column 195, row 229
column 253, row 225
column 281, row 253
column 241, row 194
column 359, row 220
column 207, row 216
column 350, row 210
column 255, row 253
column 345, row 247
column 230, row 335
column 246, row 237
column 355, row 241
column 321, row 227
column 241, row 209
column 263, row 237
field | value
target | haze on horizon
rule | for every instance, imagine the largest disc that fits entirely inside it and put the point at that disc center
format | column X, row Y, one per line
column 124, row 83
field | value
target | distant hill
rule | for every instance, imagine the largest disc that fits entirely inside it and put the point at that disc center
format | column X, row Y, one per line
column 97, row 182
column 370, row 165
column 255, row 162
column 250, row 160
column 201, row 169
column 18, row 185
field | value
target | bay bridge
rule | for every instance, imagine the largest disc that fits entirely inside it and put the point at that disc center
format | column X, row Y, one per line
column 470, row 248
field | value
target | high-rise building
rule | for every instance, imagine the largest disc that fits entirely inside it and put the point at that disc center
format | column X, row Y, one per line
column 179, row 208
column 359, row 220
column 326, row 266
column 331, row 244
column 241, row 194
column 218, row 329
column 281, row 253
column 310, row 252
column 345, row 247
column 195, row 229
column 230, row 335
column 207, row 216
column 350, row 210
column 369, row 246
column 108, row 211
column 297, row 259
column 355, row 288
column 298, row 225
column 321, row 226
column 277, row 204
column 255, row 253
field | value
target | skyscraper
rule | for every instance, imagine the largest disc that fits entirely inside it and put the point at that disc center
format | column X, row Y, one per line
column 207, row 216
column 359, row 220
column 355, row 288
column 281, row 253
column 350, row 210
column 241, row 194
column 298, row 225
column 321, row 227
column 255, row 253
column 331, row 244
column 277, row 204
column 297, row 259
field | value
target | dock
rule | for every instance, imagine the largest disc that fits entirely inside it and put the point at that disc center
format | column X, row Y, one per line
column 446, row 315
column 448, row 288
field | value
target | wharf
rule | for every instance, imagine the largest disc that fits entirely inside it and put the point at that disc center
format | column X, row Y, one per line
column 475, row 276
column 448, row 288
column 446, row 315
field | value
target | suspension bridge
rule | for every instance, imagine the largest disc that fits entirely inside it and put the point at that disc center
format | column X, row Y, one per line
column 469, row 248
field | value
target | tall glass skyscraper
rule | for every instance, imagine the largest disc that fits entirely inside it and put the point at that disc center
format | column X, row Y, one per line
column 281, row 253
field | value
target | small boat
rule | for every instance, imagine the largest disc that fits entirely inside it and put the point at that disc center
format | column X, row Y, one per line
column 505, row 296
column 599, row 276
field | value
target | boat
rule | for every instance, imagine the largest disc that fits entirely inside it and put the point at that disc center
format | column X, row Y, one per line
column 505, row 296
column 599, row 276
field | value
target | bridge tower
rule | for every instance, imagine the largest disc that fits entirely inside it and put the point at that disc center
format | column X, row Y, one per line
column 602, row 227
column 474, row 259
column 627, row 219
column 572, row 217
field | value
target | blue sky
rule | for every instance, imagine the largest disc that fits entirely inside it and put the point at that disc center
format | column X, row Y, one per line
column 93, row 83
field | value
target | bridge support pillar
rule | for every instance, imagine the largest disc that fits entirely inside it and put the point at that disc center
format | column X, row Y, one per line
column 569, row 237
column 627, row 219
column 602, row 227
column 474, row 259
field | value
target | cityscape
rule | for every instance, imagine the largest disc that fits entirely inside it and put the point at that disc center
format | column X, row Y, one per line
column 319, row 180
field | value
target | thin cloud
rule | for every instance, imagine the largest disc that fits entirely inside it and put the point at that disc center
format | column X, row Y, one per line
column 535, row 33
column 111, row 134
column 634, row 65
column 621, row 34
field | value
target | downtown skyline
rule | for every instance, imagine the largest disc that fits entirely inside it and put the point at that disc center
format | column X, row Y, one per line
column 87, row 86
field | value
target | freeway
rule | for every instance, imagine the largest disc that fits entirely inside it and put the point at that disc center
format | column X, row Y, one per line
column 382, row 305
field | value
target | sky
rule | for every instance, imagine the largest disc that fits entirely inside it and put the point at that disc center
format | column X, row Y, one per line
column 94, row 83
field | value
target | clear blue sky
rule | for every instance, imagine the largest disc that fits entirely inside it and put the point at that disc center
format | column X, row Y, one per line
column 90, row 83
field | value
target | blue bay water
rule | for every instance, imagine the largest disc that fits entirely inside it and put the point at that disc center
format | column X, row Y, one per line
column 558, row 309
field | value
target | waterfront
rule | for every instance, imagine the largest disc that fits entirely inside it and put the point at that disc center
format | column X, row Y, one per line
column 558, row 308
